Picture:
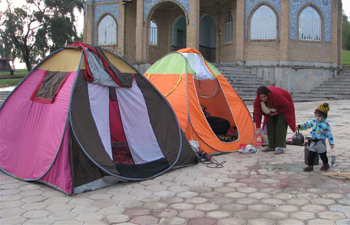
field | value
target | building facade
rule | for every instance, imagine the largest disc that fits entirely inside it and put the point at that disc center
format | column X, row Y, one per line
column 284, row 41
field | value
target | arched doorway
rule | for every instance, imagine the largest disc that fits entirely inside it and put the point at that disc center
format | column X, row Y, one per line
column 207, row 37
column 178, row 39
column 160, row 29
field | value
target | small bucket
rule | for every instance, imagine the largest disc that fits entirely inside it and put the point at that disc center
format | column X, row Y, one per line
column 306, row 154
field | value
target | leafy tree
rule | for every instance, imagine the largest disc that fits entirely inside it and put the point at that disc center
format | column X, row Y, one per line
column 39, row 27
column 346, row 32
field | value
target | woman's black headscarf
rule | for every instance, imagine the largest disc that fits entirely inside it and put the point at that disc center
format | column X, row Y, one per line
column 262, row 90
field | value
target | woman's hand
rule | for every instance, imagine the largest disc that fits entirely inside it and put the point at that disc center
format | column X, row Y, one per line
column 257, row 131
column 273, row 113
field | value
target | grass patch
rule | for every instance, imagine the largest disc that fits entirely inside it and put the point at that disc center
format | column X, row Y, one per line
column 16, row 73
column 6, row 80
column 9, row 82
column 345, row 58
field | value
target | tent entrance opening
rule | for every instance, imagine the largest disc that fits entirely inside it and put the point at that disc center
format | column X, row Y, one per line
column 216, row 110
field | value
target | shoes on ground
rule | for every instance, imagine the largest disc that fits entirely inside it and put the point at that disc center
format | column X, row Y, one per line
column 308, row 169
column 268, row 149
column 324, row 167
column 279, row 150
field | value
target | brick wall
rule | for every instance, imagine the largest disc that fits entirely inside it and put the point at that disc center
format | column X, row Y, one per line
column 130, row 32
column 261, row 50
column 164, row 20
column 137, row 50
column 285, row 49
column 88, row 24
column 227, row 50
column 304, row 51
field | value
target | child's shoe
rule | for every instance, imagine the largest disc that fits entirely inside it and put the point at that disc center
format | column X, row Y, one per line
column 308, row 169
column 325, row 167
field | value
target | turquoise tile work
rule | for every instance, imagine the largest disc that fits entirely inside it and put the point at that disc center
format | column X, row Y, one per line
column 251, row 4
column 324, row 6
column 148, row 4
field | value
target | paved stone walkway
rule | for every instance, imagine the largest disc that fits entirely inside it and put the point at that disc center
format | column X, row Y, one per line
column 257, row 189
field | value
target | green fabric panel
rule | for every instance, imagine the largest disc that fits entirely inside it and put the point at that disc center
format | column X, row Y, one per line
column 213, row 68
column 173, row 63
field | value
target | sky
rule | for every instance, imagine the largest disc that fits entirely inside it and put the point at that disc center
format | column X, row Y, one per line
column 80, row 18
column 346, row 7
column 19, row 3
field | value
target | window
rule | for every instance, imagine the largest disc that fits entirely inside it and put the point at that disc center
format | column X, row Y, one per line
column 263, row 24
column 228, row 30
column 310, row 25
column 153, row 34
column 107, row 31
column 49, row 86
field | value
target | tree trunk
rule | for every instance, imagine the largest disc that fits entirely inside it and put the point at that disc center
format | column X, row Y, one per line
column 26, row 57
column 28, row 65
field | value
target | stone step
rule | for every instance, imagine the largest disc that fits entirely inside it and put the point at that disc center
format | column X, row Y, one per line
column 340, row 78
column 235, row 72
column 335, row 91
column 345, row 73
column 246, row 93
column 242, row 96
column 239, row 75
column 342, row 74
column 247, row 89
column 333, row 87
column 245, row 83
column 250, row 100
column 243, row 78
column 314, row 95
column 307, row 99
column 222, row 67
column 319, row 96
column 337, row 82
column 3, row 95
column 228, row 64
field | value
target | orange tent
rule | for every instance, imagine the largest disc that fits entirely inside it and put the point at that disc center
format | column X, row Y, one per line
column 190, row 83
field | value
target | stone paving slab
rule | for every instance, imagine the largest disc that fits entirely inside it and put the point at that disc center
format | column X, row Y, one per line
column 251, row 189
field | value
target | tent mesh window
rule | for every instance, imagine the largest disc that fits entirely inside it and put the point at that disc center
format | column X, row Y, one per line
column 49, row 86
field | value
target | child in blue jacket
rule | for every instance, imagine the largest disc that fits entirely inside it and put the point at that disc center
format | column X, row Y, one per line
column 321, row 130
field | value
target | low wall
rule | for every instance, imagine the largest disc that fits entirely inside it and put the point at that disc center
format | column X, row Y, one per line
column 142, row 68
column 294, row 76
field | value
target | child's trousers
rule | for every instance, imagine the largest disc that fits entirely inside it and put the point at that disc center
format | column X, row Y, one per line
column 317, row 146
column 312, row 155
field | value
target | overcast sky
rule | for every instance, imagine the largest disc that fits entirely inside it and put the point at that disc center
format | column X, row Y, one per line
column 346, row 7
